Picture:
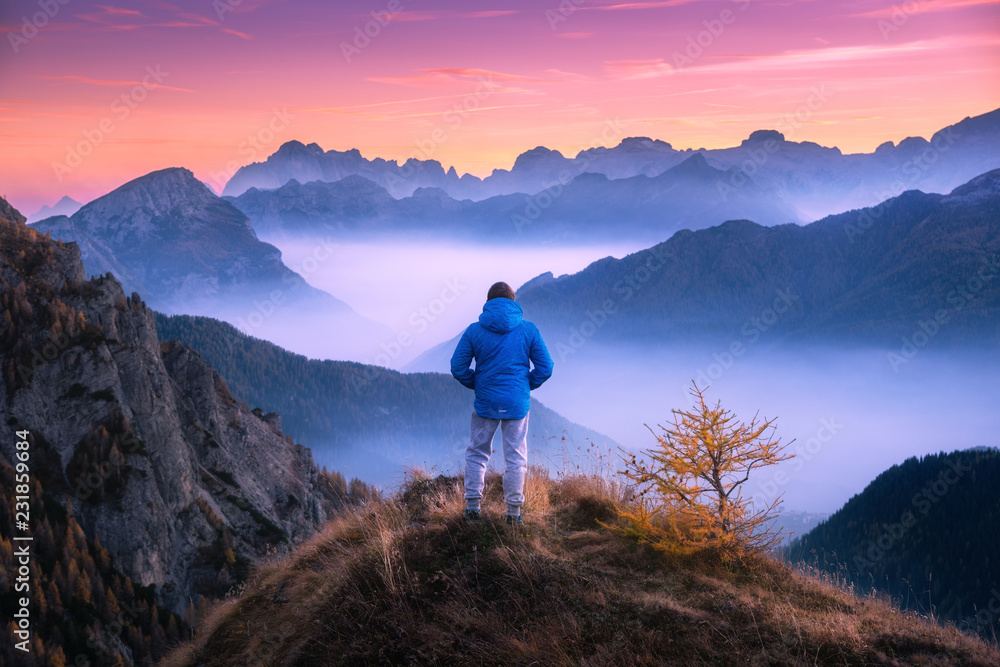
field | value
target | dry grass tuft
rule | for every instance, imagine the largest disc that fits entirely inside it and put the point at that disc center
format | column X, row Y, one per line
column 408, row 581
column 586, row 502
column 537, row 489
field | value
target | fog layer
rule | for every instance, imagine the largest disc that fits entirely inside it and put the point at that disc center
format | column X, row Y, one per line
column 851, row 413
column 424, row 292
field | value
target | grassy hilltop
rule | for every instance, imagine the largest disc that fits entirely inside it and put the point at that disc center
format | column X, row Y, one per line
column 406, row 581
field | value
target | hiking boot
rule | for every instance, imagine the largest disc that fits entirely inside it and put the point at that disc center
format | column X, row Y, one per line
column 514, row 520
column 472, row 516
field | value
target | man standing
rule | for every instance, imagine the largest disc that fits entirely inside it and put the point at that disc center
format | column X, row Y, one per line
column 511, row 360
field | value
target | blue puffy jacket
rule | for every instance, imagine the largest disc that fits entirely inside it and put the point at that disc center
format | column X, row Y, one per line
column 502, row 344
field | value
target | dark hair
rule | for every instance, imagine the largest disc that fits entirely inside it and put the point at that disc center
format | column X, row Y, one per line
column 499, row 290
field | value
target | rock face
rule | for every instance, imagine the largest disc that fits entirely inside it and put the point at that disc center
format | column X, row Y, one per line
column 144, row 439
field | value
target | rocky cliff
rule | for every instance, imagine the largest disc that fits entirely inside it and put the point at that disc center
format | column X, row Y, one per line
column 142, row 440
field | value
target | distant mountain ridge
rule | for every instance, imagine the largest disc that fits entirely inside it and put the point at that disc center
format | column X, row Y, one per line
column 885, row 275
column 587, row 209
column 915, row 267
column 295, row 160
column 169, row 237
column 813, row 179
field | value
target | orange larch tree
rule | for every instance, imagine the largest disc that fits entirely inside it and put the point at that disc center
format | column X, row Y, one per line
column 691, row 488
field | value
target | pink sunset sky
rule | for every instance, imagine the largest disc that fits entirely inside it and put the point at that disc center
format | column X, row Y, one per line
column 93, row 95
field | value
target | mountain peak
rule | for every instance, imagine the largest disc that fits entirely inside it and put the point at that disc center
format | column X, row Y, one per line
column 423, row 165
column 696, row 166
column 885, row 148
column 984, row 186
column 538, row 280
column 162, row 200
column 296, row 148
column 352, row 153
column 169, row 174
column 759, row 136
column 539, row 151
column 170, row 237
column 65, row 206
column 536, row 155
column 162, row 188
column 431, row 194
column 913, row 144
column 640, row 143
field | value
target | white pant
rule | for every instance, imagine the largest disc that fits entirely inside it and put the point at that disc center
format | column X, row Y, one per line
column 515, row 453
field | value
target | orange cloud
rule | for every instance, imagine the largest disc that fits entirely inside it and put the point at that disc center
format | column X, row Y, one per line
column 469, row 73
column 347, row 109
column 110, row 9
column 198, row 17
column 447, row 76
column 490, row 13
column 464, row 111
column 237, row 33
column 415, row 15
column 424, row 80
column 640, row 5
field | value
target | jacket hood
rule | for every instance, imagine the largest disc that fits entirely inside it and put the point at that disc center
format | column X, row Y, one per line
column 501, row 315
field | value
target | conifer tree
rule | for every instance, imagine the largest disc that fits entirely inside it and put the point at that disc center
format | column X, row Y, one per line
column 691, row 489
